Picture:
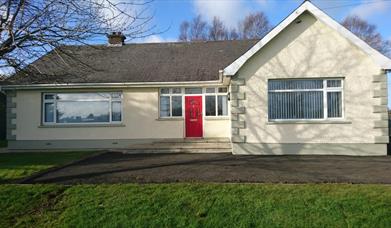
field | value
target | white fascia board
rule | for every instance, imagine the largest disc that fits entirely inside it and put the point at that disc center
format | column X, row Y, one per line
column 112, row 85
column 380, row 59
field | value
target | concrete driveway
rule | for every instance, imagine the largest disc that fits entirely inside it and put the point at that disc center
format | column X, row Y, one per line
column 162, row 168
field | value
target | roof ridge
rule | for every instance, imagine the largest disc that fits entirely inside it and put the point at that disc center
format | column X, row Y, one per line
column 168, row 43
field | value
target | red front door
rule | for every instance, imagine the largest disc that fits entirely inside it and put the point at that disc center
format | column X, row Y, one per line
column 193, row 116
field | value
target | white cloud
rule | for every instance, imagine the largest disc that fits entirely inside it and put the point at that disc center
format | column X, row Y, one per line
column 154, row 39
column 230, row 12
column 264, row 3
column 367, row 9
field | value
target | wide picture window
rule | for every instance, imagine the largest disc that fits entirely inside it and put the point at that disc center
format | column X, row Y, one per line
column 305, row 99
column 79, row 108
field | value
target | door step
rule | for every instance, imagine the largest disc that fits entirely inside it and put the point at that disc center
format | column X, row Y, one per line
column 180, row 146
column 172, row 150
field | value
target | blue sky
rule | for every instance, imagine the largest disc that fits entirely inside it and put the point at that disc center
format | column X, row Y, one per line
column 168, row 14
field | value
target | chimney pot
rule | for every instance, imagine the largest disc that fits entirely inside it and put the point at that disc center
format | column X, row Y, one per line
column 116, row 39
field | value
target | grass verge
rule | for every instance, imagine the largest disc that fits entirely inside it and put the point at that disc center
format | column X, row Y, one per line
column 15, row 166
column 3, row 143
column 196, row 205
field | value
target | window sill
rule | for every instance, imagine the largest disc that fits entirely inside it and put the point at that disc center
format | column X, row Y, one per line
column 170, row 119
column 309, row 122
column 80, row 125
column 216, row 117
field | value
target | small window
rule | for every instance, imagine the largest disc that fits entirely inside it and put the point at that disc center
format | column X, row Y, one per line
column 193, row 90
column 223, row 90
column 165, row 91
column 170, row 102
column 177, row 90
column 165, row 106
column 334, row 104
column 176, row 105
column 333, row 83
column 222, row 105
column 210, row 105
column 49, row 112
column 210, row 90
column 116, row 95
column 216, row 104
column 116, row 113
column 49, row 96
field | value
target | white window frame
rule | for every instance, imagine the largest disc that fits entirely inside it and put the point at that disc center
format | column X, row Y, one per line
column 170, row 95
column 325, row 90
column 216, row 93
column 183, row 94
column 54, row 101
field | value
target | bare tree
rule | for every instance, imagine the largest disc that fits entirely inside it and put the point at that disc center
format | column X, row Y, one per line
column 31, row 28
column 198, row 29
column 233, row 34
column 217, row 31
column 184, row 31
column 254, row 26
column 368, row 33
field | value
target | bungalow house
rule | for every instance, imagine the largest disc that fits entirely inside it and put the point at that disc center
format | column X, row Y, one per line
column 308, row 87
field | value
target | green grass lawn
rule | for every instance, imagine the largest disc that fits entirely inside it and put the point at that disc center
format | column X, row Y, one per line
column 3, row 143
column 196, row 205
column 19, row 165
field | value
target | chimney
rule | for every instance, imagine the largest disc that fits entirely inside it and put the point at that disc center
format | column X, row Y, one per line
column 116, row 39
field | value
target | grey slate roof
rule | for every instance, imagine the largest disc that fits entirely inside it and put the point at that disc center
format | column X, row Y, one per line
column 155, row 62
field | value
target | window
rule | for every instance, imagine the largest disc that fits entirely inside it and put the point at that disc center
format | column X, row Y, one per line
column 170, row 102
column 195, row 90
column 305, row 99
column 75, row 108
column 216, row 102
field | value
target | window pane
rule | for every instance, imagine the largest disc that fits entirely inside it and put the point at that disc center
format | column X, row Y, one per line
column 334, row 104
column 193, row 90
column 165, row 91
column 177, row 90
column 83, row 96
column 83, row 112
column 223, row 90
column 176, row 105
column 295, row 84
column 164, row 106
column 49, row 112
column 210, row 90
column 49, row 96
column 333, row 83
column 296, row 105
column 115, row 95
column 116, row 114
column 222, row 105
column 210, row 105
